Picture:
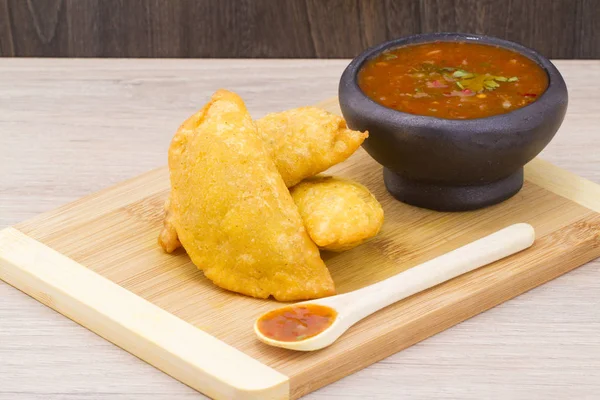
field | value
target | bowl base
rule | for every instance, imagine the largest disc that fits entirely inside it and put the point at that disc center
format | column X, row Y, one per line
column 451, row 198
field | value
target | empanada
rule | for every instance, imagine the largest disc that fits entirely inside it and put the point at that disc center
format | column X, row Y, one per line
column 233, row 212
column 307, row 140
column 338, row 214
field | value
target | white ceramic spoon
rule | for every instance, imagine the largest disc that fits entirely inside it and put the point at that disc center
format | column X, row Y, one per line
column 353, row 306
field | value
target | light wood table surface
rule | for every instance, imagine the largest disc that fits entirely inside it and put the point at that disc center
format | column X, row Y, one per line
column 71, row 127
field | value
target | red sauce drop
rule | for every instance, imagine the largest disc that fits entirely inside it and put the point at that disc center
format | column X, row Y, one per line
column 294, row 323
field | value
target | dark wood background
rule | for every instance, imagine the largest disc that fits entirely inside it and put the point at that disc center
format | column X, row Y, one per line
column 283, row 28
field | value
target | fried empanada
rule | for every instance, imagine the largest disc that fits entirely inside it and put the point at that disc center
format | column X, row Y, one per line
column 302, row 142
column 307, row 140
column 232, row 211
column 338, row 214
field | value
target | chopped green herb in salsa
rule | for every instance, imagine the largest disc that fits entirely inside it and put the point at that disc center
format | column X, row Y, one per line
column 454, row 80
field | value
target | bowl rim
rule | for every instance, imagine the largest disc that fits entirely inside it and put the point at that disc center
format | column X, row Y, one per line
column 555, row 92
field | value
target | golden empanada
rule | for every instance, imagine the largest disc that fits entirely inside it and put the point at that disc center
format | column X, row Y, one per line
column 307, row 140
column 338, row 214
column 233, row 212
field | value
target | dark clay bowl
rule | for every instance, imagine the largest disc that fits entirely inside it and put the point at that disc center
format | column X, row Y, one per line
column 453, row 165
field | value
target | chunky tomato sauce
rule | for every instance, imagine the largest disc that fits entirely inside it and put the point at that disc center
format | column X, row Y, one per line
column 453, row 80
column 290, row 324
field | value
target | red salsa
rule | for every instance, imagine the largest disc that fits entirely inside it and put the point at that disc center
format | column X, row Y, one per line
column 290, row 324
column 453, row 80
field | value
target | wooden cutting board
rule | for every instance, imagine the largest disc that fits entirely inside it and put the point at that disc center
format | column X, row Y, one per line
column 97, row 262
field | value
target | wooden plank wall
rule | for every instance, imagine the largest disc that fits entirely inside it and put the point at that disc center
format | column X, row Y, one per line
column 283, row 28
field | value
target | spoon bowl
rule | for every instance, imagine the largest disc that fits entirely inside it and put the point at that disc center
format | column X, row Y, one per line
column 354, row 306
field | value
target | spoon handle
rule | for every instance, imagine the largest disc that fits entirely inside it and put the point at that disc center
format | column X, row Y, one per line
column 474, row 255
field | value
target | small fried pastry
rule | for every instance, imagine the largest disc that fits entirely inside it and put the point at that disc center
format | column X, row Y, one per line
column 338, row 214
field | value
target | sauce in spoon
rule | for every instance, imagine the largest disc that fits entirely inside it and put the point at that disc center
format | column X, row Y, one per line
column 298, row 322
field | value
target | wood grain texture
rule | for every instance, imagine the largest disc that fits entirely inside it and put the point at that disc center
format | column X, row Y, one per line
column 564, row 183
column 282, row 29
column 98, row 122
column 6, row 39
column 115, row 235
column 156, row 336
column 534, row 23
column 588, row 16
column 39, row 26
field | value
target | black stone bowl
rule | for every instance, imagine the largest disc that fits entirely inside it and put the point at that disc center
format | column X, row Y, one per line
column 453, row 165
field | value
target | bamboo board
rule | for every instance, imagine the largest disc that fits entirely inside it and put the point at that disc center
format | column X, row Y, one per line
column 97, row 262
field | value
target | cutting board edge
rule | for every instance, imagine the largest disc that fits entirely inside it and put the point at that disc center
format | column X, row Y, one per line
column 587, row 249
column 563, row 183
column 134, row 324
